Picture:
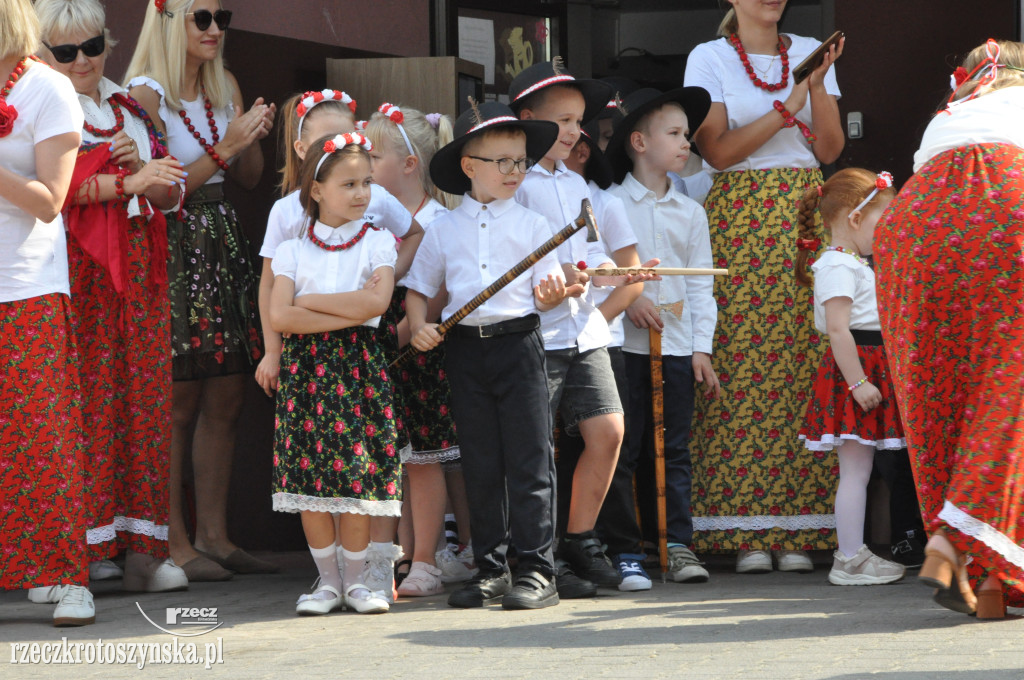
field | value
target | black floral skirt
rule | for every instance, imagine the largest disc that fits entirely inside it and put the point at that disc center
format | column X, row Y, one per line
column 334, row 430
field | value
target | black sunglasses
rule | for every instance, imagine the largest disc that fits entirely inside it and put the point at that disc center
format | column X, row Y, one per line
column 204, row 17
column 65, row 54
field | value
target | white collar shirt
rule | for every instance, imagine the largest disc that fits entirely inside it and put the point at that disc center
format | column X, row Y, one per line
column 673, row 228
column 576, row 322
column 471, row 247
column 316, row 270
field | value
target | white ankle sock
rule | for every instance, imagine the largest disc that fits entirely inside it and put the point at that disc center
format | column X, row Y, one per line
column 383, row 548
column 326, row 560
column 355, row 563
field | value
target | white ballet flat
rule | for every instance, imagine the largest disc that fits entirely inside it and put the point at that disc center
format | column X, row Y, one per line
column 371, row 603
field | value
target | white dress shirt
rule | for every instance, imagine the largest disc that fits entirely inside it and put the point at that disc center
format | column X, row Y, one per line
column 316, row 270
column 839, row 274
column 616, row 233
column 471, row 247
column 576, row 322
column 675, row 229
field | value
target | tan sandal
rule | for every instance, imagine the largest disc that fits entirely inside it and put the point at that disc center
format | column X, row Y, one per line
column 423, row 580
column 939, row 572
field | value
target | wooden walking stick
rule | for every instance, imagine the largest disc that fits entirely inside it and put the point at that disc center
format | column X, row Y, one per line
column 663, row 271
column 586, row 219
column 658, row 409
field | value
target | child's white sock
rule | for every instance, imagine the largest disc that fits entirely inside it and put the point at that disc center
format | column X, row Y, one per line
column 355, row 563
column 327, row 564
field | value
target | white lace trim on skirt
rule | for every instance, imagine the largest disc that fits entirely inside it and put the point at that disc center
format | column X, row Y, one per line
column 975, row 528
column 762, row 522
column 130, row 525
column 831, row 441
column 291, row 502
column 426, row 457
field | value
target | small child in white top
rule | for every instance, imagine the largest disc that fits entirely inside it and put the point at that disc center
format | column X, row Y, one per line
column 853, row 403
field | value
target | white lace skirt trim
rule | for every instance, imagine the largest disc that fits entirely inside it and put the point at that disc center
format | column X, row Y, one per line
column 427, row 457
column 831, row 441
column 291, row 502
column 762, row 522
column 975, row 528
column 129, row 525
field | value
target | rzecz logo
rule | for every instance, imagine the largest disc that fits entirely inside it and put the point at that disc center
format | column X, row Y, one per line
column 193, row 617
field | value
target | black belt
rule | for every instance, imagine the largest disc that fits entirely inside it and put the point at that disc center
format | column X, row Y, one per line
column 208, row 193
column 523, row 325
column 867, row 338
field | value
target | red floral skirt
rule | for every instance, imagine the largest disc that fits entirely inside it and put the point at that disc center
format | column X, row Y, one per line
column 950, row 288
column 126, row 385
column 42, row 533
column 833, row 415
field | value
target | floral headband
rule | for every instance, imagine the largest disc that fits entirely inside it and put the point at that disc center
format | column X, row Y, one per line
column 160, row 5
column 311, row 99
column 882, row 182
column 340, row 142
column 990, row 64
column 360, row 125
column 395, row 115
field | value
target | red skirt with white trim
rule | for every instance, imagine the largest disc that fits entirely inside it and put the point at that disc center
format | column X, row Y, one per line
column 833, row 415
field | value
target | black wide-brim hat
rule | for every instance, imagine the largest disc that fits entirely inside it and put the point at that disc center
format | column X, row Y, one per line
column 446, row 165
column 695, row 102
column 544, row 75
column 621, row 88
column 598, row 169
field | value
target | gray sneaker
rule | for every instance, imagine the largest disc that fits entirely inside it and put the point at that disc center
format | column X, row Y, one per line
column 684, row 566
column 863, row 569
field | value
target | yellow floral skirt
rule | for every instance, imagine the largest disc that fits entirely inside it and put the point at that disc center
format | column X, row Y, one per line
column 755, row 486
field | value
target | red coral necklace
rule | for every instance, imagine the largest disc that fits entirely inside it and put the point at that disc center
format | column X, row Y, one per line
column 341, row 246
column 214, row 135
column 118, row 124
column 769, row 87
column 9, row 114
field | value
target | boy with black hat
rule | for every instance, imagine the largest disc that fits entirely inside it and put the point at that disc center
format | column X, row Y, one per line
column 495, row 359
column 580, row 379
column 649, row 143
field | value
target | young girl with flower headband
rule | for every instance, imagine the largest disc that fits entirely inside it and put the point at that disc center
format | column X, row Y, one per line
column 853, row 405
column 950, row 282
column 404, row 142
column 334, row 449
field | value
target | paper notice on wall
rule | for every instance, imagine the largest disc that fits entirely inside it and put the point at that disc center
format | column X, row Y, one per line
column 476, row 44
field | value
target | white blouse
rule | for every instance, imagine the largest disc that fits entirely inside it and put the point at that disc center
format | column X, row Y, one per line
column 33, row 253
column 838, row 274
column 993, row 118
column 716, row 67
column 318, row 271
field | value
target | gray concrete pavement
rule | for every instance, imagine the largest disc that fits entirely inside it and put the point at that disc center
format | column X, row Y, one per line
column 775, row 626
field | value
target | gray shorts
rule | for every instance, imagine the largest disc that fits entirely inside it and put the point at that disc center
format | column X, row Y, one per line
column 581, row 386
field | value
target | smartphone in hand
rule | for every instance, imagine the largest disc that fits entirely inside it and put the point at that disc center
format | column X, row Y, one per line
column 814, row 59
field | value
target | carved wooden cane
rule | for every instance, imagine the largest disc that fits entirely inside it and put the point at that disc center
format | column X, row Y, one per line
column 663, row 271
column 586, row 219
column 658, row 410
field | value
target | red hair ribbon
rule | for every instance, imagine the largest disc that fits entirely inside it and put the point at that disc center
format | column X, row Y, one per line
column 810, row 244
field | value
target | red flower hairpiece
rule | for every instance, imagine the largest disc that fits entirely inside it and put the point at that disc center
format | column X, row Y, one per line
column 392, row 113
column 160, row 8
column 883, row 181
column 340, row 142
column 810, row 244
column 959, row 76
column 311, row 99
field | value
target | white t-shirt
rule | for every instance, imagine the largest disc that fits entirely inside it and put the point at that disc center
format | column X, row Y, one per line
column 33, row 254
column 838, row 274
column 288, row 220
column 616, row 233
column 993, row 118
column 716, row 67
column 318, row 271
column 430, row 211
column 181, row 143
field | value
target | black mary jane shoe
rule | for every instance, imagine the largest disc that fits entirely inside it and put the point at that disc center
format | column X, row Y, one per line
column 482, row 589
column 531, row 591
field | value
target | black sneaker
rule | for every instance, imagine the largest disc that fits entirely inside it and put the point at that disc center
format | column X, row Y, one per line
column 909, row 552
column 587, row 559
column 484, row 588
column 531, row 591
column 570, row 586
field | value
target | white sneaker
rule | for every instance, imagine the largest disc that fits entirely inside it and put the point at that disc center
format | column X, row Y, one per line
column 684, row 566
column 794, row 560
column 75, row 608
column 753, row 562
column 456, row 565
column 423, row 580
column 145, row 574
column 104, row 570
column 379, row 573
column 46, row 594
column 323, row 600
column 360, row 599
column 863, row 569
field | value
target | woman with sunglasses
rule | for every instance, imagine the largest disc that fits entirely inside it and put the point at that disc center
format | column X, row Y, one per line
column 42, row 532
column 177, row 73
column 119, row 297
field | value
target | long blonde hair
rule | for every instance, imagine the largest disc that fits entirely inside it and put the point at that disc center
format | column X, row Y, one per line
column 730, row 24
column 160, row 54
column 1011, row 54
column 19, row 29
column 288, row 132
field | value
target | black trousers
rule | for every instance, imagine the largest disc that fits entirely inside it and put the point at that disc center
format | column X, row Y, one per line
column 500, row 403
column 904, row 509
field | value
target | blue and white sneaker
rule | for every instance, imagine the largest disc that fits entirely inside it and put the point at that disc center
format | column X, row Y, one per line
column 634, row 577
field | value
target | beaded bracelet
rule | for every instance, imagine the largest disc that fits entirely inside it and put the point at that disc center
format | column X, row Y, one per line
column 789, row 120
column 119, row 184
column 858, row 383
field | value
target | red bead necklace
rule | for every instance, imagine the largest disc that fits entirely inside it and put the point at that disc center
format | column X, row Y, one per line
column 341, row 246
column 213, row 132
column 769, row 87
column 118, row 124
column 9, row 114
